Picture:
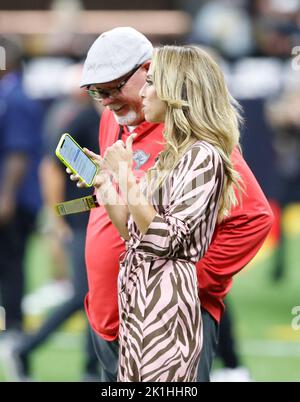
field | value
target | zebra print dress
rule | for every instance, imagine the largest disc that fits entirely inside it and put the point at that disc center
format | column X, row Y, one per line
column 160, row 318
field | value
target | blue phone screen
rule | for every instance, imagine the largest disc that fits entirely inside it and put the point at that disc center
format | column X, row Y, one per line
column 78, row 160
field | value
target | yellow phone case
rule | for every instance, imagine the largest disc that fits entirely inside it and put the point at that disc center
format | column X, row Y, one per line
column 60, row 157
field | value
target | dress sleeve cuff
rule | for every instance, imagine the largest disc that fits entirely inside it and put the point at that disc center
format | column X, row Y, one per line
column 164, row 236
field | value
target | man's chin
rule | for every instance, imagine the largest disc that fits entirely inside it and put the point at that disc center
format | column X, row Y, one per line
column 128, row 120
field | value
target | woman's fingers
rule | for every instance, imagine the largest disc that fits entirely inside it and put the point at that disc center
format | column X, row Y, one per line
column 74, row 177
column 96, row 158
column 99, row 181
column 129, row 142
column 81, row 184
column 93, row 155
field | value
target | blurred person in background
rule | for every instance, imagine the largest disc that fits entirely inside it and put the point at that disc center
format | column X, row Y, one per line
column 75, row 113
column 276, row 26
column 20, row 198
column 114, row 72
column 224, row 25
column 241, row 28
column 284, row 117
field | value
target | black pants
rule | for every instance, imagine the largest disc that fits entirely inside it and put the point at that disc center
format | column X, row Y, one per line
column 64, row 311
column 13, row 241
column 226, row 350
column 108, row 352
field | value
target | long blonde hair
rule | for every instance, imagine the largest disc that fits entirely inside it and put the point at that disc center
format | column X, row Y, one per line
column 199, row 107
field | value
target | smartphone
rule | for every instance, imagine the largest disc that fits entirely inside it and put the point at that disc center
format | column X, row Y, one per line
column 73, row 156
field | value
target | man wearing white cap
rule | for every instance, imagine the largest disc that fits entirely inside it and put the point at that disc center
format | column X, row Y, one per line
column 114, row 72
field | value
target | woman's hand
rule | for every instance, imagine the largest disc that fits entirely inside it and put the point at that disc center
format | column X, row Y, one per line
column 118, row 158
column 100, row 178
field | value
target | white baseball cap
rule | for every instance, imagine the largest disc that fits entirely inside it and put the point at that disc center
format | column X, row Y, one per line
column 114, row 54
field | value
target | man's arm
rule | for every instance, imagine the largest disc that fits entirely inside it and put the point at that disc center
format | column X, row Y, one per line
column 238, row 239
column 14, row 170
column 53, row 182
column 115, row 206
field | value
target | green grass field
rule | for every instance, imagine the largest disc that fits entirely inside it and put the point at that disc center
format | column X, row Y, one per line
column 268, row 345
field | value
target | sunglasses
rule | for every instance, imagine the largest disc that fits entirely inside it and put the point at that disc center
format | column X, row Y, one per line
column 99, row 94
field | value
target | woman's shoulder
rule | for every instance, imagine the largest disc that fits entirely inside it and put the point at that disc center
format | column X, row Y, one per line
column 201, row 158
column 200, row 151
column 204, row 146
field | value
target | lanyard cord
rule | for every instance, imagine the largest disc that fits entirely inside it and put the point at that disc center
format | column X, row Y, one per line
column 121, row 131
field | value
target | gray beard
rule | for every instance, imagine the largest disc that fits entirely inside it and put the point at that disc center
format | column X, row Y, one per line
column 126, row 120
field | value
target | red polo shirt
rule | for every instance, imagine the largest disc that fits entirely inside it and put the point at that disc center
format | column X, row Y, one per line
column 235, row 242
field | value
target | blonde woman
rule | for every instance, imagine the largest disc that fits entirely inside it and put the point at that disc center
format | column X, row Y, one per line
column 169, row 218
